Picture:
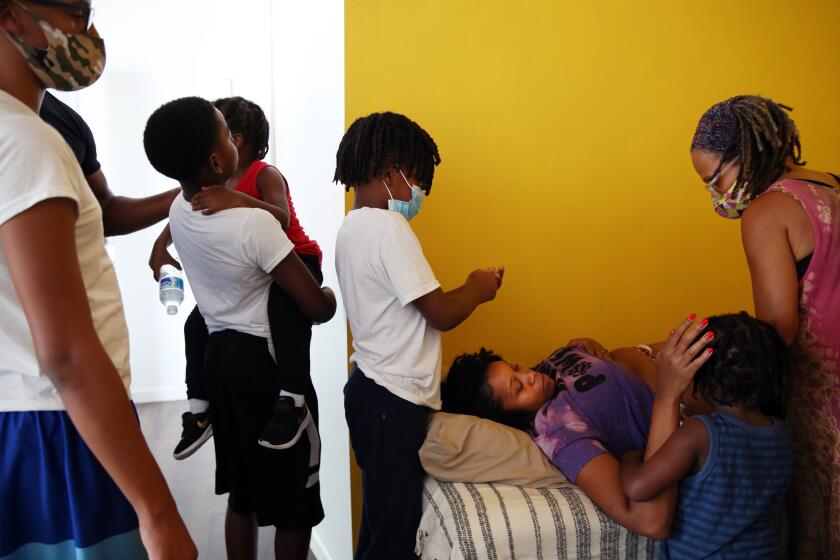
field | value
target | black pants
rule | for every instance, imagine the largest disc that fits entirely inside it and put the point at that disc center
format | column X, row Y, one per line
column 386, row 433
column 291, row 333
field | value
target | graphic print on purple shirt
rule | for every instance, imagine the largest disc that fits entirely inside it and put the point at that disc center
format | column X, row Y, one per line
column 600, row 407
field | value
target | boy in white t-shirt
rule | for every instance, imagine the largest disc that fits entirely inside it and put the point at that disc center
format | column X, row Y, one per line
column 231, row 258
column 396, row 310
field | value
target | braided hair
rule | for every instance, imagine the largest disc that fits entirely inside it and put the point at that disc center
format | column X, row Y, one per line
column 757, row 131
column 246, row 118
column 380, row 140
column 747, row 366
column 466, row 391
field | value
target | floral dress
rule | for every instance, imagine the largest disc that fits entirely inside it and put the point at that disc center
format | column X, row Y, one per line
column 813, row 406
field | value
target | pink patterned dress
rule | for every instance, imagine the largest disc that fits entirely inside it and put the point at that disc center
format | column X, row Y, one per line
column 814, row 379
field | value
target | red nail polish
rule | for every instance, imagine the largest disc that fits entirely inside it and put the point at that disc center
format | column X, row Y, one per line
column 692, row 316
column 703, row 323
column 709, row 351
column 709, row 335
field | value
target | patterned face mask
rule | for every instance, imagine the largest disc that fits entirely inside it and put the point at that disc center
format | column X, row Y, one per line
column 732, row 203
column 70, row 62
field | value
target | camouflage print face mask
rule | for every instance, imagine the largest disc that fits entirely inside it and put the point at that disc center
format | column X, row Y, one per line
column 70, row 61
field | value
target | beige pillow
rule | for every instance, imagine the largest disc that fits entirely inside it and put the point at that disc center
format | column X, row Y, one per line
column 462, row 448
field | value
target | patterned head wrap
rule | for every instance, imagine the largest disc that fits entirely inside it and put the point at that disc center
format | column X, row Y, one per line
column 718, row 129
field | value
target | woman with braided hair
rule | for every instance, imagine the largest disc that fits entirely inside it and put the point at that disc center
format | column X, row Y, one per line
column 747, row 151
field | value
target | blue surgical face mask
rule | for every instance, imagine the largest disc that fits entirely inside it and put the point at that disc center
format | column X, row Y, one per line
column 408, row 208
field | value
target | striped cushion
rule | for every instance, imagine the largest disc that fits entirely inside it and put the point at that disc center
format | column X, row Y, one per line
column 498, row 521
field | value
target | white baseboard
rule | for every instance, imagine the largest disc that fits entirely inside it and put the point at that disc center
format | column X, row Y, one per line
column 159, row 394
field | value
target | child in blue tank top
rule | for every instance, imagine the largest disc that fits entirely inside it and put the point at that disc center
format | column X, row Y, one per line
column 731, row 460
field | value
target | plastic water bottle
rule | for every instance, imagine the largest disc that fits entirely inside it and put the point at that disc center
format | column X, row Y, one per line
column 171, row 288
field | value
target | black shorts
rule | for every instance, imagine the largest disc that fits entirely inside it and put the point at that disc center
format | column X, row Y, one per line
column 280, row 486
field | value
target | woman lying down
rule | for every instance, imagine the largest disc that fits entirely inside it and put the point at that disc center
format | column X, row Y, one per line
column 592, row 412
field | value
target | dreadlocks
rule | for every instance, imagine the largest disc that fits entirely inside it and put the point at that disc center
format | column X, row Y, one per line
column 246, row 118
column 380, row 140
column 757, row 131
column 747, row 366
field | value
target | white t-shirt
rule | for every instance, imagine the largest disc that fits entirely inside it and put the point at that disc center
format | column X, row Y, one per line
column 36, row 164
column 227, row 257
column 381, row 270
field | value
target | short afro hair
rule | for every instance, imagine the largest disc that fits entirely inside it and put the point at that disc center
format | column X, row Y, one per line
column 747, row 366
column 466, row 391
column 180, row 136
column 248, row 119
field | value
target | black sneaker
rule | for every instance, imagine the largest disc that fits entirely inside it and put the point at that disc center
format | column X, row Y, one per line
column 197, row 430
column 286, row 424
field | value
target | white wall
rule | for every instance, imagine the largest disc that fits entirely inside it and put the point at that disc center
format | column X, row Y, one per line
column 308, row 62
column 289, row 58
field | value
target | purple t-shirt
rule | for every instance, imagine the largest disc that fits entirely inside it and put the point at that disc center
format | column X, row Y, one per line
column 600, row 407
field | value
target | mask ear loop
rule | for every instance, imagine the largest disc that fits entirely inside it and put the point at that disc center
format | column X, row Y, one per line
column 404, row 179
column 387, row 189
column 413, row 188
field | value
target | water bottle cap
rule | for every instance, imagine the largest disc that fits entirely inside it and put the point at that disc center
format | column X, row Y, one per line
column 172, row 309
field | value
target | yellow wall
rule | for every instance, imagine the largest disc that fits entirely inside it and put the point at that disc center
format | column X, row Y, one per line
column 564, row 129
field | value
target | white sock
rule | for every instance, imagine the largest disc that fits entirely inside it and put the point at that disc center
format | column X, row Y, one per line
column 298, row 398
column 197, row 406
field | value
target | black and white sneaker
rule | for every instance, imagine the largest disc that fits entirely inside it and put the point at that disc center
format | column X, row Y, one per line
column 286, row 424
column 197, row 430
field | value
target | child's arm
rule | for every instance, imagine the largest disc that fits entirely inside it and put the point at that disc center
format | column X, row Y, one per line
column 160, row 253
column 292, row 275
column 272, row 185
column 642, row 497
column 39, row 246
column 676, row 363
column 600, row 479
column 273, row 188
column 446, row 310
column 675, row 459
